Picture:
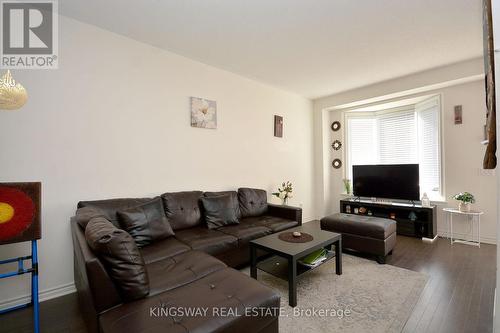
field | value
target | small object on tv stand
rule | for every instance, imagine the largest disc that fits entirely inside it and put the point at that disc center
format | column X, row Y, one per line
column 426, row 202
column 370, row 213
column 392, row 216
column 348, row 209
column 380, row 200
column 362, row 210
column 412, row 216
column 356, row 210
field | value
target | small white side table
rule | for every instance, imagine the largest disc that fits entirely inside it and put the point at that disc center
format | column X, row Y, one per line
column 474, row 217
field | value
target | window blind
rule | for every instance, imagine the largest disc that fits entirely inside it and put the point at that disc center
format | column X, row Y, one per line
column 397, row 137
column 429, row 148
column 407, row 135
column 362, row 142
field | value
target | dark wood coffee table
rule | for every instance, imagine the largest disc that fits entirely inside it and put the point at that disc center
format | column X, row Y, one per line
column 284, row 262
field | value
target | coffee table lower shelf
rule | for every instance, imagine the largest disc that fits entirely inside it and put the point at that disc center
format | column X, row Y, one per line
column 284, row 262
column 278, row 266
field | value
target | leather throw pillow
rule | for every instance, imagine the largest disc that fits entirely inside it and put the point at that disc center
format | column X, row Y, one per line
column 120, row 256
column 183, row 209
column 146, row 223
column 85, row 214
column 219, row 211
column 233, row 194
column 253, row 202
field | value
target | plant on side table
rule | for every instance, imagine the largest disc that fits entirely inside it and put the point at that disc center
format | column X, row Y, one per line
column 466, row 199
column 284, row 192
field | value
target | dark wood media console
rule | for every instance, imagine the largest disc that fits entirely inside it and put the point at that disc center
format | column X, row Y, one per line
column 412, row 220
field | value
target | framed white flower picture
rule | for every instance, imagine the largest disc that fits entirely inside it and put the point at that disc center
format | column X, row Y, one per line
column 203, row 113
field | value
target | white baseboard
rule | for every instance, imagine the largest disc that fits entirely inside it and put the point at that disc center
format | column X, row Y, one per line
column 458, row 235
column 43, row 295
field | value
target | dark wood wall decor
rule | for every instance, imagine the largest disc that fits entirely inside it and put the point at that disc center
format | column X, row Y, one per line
column 336, row 145
column 490, row 158
column 458, row 114
column 336, row 126
column 337, row 163
column 278, row 126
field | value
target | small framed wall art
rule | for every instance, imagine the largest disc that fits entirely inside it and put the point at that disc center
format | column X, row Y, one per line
column 278, row 126
column 203, row 113
column 458, row 114
column 20, row 212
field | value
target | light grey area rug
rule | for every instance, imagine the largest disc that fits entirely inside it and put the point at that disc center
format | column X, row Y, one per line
column 367, row 297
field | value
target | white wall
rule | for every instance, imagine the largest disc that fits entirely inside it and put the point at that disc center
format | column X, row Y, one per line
column 114, row 121
column 462, row 151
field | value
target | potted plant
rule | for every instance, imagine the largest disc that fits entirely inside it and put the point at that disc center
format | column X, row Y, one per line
column 466, row 199
column 284, row 192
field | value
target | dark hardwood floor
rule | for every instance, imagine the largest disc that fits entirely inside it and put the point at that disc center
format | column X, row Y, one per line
column 57, row 315
column 460, row 291
column 458, row 296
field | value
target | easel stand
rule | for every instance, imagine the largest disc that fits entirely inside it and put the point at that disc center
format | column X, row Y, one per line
column 34, row 283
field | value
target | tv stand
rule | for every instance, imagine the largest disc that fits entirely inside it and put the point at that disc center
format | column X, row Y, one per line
column 412, row 219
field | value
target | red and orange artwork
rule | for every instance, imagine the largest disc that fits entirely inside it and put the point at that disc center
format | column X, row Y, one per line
column 19, row 212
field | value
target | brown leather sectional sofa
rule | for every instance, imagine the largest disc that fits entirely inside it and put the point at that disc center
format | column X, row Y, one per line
column 187, row 270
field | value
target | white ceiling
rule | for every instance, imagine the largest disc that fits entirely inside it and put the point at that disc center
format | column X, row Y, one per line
column 311, row 47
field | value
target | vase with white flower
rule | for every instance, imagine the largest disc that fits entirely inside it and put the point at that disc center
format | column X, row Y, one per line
column 466, row 199
column 284, row 192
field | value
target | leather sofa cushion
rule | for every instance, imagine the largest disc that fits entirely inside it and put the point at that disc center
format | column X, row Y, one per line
column 253, row 202
column 146, row 223
column 109, row 207
column 85, row 214
column 219, row 211
column 226, row 288
column 276, row 224
column 207, row 240
column 245, row 232
column 182, row 209
column 121, row 257
column 233, row 194
column 162, row 249
column 367, row 226
column 180, row 270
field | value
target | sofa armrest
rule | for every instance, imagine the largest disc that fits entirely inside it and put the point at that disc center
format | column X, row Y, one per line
column 96, row 290
column 285, row 212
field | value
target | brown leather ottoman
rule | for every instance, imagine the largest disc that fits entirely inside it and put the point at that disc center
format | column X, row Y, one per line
column 368, row 234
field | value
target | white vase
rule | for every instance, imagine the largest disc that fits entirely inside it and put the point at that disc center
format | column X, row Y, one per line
column 464, row 207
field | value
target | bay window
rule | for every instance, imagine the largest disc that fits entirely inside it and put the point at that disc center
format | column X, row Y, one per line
column 404, row 135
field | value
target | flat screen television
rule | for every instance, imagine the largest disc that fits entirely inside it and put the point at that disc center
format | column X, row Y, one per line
column 390, row 181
